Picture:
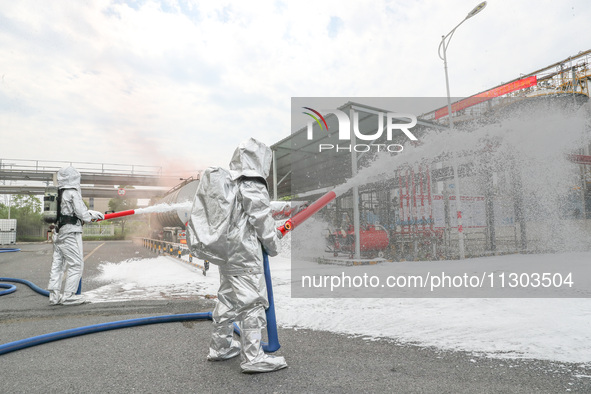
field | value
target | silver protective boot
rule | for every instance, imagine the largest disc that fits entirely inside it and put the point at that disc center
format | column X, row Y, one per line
column 73, row 299
column 254, row 359
column 54, row 297
column 223, row 346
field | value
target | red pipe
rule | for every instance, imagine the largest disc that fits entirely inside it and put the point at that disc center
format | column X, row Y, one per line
column 301, row 216
column 119, row 214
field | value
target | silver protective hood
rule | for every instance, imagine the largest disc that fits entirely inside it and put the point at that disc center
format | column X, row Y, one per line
column 68, row 178
column 252, row 158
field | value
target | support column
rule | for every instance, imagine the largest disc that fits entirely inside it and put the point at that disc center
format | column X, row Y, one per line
column 489, row 193
column 274, row 177
column 456, row 167
column 355, row 188
column 518, row 204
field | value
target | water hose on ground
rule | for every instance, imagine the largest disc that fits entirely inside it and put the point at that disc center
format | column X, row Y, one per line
column 270, row 347
column 11, row 288
column 74, row 332
column 32, row 285
column 5, row 250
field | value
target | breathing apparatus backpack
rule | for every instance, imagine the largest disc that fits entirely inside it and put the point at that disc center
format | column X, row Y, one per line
column 212, row 214
column 207, row 229
column 52, row 207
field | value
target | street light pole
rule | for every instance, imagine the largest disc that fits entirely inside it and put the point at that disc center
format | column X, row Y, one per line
column 443, row 45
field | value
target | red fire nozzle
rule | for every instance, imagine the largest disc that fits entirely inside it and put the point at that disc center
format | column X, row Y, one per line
column 300, row 217
column 119, row 214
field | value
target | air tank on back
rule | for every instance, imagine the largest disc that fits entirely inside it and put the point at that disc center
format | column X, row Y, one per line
column 181, row 193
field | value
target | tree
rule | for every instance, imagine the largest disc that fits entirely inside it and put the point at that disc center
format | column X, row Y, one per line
column 26, row 210
column 120, row 203
column 22, row 206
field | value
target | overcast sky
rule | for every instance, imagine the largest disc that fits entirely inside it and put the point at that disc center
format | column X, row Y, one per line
column 180, row 83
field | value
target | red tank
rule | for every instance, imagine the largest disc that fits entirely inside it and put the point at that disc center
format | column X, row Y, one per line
column 373, row 240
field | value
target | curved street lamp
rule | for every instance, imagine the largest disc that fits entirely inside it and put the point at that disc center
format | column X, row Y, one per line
column 443, row 45
column 445, row 40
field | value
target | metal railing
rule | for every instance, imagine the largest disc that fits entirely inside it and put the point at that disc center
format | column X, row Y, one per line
column 86, row 167
column 98, row 230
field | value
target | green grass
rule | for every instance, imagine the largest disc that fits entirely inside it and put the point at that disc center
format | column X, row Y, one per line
column 25, row 238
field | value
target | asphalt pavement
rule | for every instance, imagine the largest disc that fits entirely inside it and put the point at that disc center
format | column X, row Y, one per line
column 170, row 358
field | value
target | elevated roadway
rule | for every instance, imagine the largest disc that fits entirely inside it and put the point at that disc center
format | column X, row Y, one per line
column 99, row 180
column 88, row 191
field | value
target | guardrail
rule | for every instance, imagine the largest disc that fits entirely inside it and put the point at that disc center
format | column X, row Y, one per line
column 172, row 249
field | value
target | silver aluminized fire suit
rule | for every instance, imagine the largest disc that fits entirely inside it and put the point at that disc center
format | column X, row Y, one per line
column 242, row 296
column 67, row 243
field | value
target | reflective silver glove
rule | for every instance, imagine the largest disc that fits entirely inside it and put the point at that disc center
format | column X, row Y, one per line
column 96, row 215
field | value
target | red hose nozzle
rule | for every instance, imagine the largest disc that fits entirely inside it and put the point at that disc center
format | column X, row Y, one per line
column 301, row 216
column 119, row 214
column 285, row 227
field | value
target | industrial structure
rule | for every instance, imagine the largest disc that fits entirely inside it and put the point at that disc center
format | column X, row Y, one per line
column 415, row 203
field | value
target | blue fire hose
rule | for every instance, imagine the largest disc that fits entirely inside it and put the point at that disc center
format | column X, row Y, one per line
column 11, row 288
column 270, row 347
column 32, row 285
column 6, row 250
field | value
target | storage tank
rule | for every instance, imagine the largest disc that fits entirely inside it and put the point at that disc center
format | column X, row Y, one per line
column 179, row 194
column 373, row 240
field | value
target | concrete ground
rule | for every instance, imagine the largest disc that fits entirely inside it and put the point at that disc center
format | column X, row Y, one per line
column 171, row 357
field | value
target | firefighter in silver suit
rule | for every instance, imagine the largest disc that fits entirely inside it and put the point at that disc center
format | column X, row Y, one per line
column 242, row 296
column 67, row 240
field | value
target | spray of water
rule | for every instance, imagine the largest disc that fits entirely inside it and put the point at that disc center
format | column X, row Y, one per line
column 185, row 205
column 530, row 145
column 532, row 139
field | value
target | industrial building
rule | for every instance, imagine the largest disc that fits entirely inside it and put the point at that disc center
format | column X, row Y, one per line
column 505, row 205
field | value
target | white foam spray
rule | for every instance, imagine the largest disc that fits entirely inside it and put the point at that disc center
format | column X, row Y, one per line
column 532, row 145
column 158, row 208
column 538, row 138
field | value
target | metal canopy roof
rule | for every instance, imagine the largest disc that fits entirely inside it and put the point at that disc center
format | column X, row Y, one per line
column 301, row 168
